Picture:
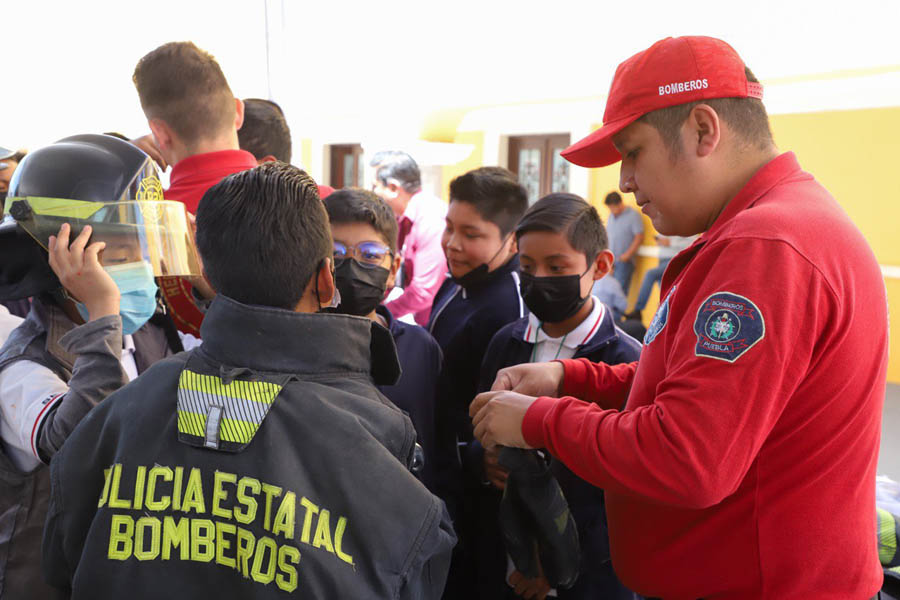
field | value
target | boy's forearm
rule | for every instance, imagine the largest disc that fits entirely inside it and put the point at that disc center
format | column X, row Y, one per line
column 97, row 373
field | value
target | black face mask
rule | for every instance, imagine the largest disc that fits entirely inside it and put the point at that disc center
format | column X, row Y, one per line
column 361, row 288
column 479, row 273
column 553, row 299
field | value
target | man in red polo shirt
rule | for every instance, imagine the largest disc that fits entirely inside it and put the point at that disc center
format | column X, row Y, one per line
column 194, row 118
column 743, row 462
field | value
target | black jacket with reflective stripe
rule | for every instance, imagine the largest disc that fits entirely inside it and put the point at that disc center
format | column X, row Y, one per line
column 320, row 503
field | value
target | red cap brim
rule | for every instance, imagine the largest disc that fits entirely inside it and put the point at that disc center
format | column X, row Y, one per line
column 597, row 149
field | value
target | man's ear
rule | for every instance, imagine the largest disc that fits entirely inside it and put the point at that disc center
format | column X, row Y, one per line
column 704, row 130
column 163, row 135
column 604, row 264
column 326, row 284
column 513, row 245
column 265, row 159
column 238, row 113
column 321, row 282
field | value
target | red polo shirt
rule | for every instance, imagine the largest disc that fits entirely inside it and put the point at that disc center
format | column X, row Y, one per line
column 190, row 179
column 743, row 465
column 192, row 176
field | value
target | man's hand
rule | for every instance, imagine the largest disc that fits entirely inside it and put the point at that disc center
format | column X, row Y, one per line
column 533, row 379
column 498, row 416
column 494, row 472
column 536, row 588
column 147, row 143
column 80, row 272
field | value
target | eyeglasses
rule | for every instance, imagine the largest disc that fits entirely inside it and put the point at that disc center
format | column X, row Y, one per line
column 367, row 254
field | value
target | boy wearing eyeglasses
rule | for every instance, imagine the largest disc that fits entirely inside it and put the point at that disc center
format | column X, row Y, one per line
column 364, row 231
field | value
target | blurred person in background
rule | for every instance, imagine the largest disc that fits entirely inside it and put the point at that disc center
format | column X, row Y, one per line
column 9, row 160
column 420, row 218
column 669, row 246
column 626, row 234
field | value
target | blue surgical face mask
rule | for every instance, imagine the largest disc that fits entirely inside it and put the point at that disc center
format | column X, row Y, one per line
column 138, row 290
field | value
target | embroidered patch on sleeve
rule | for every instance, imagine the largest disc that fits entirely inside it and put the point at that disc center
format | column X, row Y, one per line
column 727, row 325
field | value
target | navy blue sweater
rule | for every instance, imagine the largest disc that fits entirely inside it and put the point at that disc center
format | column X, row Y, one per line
column 415, row 391
column 611, row 345
column 463, row 321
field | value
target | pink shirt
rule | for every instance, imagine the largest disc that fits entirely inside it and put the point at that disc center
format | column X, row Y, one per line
column 424, row 265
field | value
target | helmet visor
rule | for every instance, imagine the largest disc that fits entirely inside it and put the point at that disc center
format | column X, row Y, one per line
column 155, row 231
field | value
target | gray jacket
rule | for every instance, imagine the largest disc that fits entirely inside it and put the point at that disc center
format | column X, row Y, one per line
column 86, row 357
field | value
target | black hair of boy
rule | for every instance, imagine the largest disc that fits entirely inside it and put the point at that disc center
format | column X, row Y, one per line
column 612, row 199
column 356, row 205
column 399, row 168
column 262, row 235
column 495, row 193
column 570, row 215
column 265, row 131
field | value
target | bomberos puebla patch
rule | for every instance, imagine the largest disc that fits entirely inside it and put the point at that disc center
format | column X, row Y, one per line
column 727, row 325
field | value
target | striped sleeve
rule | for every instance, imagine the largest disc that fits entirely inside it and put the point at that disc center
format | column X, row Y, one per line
column 28, row 393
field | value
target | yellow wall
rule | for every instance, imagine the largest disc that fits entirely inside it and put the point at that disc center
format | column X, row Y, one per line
column 306, row 153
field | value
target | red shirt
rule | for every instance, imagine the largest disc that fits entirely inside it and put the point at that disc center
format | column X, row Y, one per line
column 192, row 176
column 190, row 179
column 743, row 465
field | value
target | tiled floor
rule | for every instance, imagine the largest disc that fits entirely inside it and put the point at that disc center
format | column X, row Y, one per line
column 889, row 459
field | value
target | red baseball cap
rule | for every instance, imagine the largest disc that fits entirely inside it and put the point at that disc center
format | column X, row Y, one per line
column 670, row 72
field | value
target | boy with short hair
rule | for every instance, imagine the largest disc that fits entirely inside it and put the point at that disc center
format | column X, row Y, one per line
column 480, row 296
column 562, row 252
column 364, row 231
column 266, row 443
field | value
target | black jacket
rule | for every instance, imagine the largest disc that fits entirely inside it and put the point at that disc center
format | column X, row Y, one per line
column 611, row 345
column 264, row 461
column 416, row 391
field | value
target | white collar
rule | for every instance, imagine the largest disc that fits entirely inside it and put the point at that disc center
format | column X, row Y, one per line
column 575, row 338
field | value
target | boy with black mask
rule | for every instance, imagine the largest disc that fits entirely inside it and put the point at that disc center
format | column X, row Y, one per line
column 364, row 231
column 562, row 252
column 480, row 296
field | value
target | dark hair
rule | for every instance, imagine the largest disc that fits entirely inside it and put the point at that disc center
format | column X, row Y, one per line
column 747, row 117
column 262, row 235
column 495, row 193
column 568, row 214
column 612, row 198
column 356, row 205
column 184, row 86
column 398, row 166
column 265, row 130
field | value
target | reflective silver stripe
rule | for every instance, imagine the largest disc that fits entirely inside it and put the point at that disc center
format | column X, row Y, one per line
column 213, row 422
